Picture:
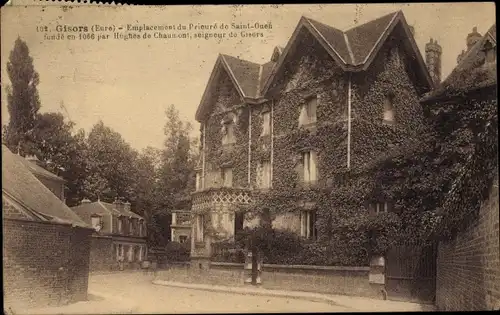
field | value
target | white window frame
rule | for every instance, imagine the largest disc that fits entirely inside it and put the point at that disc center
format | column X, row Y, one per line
column 308, row 112
column 389, row 109
column 199, row 228
column 310, row 167
column 305, row 224
column 264, row 175
column 266, row 123
column 227, row 176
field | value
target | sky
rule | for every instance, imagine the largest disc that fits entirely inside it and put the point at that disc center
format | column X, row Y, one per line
column 129, row 84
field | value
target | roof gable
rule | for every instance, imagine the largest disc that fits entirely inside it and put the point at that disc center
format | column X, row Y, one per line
column 220, row 65
column 356, row 48
column 364, row 38
column 21, row 185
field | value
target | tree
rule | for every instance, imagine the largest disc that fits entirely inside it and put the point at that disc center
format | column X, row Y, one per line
column 175, row 175
column 111, row 165
column 63, row 152
column 22, row 98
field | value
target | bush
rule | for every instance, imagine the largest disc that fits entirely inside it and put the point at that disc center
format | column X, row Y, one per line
column 176, row 251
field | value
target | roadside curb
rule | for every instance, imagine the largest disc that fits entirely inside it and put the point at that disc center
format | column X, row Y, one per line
column 313, row 297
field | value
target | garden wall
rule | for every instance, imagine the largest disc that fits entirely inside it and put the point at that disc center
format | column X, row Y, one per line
column 320, row 279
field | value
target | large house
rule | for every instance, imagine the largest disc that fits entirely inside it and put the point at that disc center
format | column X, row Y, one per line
column 328, row 102
column 125, row 229
column 46, row 246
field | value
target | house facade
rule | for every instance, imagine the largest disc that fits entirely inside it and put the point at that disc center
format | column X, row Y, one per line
column 120, row 234
column 46, row 247
column 329, row 102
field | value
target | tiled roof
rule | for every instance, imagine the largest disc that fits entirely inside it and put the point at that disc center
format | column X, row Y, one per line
column 353, row 48
column 363, row 38
column 101, row 207
column 20, row 184
column 246, row 74
column 470, row 73
column 335, row 38
column 38, row 170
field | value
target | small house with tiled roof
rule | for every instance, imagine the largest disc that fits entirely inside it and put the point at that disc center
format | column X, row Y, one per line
column 125, row 229
column 328, row 103
column 46, row 246
column 466, row 102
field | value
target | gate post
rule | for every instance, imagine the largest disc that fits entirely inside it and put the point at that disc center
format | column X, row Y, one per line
column 376, row 276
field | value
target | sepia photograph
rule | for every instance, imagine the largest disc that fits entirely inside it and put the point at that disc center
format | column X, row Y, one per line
column 190, row 159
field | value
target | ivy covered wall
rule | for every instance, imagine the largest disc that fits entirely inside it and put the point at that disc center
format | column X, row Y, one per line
column 227, row 106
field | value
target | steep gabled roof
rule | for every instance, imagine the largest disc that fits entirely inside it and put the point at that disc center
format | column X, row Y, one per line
column 19, row 184
column 469, row 74
column 353, row 50
column 356, row 48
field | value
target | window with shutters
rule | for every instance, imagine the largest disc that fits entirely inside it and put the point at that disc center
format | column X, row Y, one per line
column 264, row 175
column 266, row 123
column 309, row 164
column 308, row 112
column 308, row 224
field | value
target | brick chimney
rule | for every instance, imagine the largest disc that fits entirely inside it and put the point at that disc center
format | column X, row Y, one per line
column 118, row 204
column 473, row 38
column 433, row 53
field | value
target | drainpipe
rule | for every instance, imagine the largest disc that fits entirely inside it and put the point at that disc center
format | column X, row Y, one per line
column 249, row 144
column 203, row 158
column 349, row 95
column 272, row 140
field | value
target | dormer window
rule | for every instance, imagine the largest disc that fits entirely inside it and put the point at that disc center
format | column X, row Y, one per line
column 389, row 108
column 308, row 112
column 266, row 123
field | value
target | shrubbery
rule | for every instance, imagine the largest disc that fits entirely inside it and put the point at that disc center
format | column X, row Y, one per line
column 176, row 251
column 287, row 248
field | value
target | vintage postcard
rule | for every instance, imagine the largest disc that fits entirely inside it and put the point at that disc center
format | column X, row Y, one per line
column 249, row 158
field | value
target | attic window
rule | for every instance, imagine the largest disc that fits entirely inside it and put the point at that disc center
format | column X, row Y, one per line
column 389, row 108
